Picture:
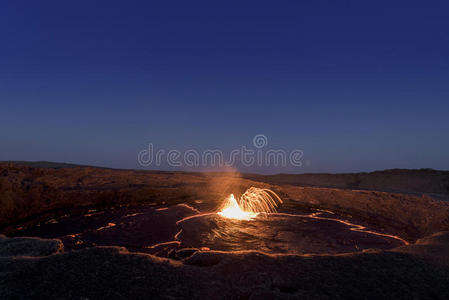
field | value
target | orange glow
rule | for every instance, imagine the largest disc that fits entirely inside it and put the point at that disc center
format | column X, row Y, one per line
column 251, row 203
column 232, row 210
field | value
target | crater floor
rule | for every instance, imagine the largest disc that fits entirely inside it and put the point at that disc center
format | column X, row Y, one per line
column 158, row 230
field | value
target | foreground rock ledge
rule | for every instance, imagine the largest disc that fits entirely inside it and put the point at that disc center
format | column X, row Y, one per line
column 29, row 246
column 416, row 271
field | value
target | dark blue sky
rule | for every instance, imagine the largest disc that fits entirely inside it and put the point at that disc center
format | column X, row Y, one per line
column 357, row 85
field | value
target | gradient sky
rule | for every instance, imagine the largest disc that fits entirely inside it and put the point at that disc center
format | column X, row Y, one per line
column 357, row 85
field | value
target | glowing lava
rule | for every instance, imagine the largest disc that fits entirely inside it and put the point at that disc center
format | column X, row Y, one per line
column 251, row 203
column 232, row 210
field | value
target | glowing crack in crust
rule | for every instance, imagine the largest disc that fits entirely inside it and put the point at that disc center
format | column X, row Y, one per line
column 250, row 204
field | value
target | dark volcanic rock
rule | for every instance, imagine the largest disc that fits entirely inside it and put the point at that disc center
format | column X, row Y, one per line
column 95, row 273
column 28, row 246
column 434, row 248
column 114, row 273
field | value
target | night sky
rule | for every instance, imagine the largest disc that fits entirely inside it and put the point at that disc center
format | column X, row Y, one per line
column 356, row 85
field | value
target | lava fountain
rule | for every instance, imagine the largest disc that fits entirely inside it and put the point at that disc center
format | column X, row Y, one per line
column 250, row 204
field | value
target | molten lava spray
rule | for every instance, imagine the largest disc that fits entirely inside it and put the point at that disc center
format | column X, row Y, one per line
column 250, row 204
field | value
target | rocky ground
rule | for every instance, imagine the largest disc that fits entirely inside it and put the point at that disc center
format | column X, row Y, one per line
column 410, row 272
column 124, row 208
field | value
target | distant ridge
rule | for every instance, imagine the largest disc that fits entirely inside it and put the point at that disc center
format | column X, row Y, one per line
column 431, row 182
column 46, row 164
column 414, row 181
